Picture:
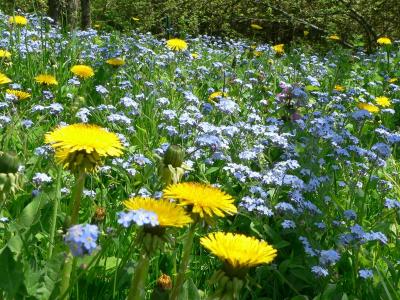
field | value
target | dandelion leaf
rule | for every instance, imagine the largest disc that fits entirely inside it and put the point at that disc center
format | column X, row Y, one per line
column 11, row 274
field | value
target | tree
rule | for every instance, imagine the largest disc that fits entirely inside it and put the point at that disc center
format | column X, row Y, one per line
column 71, row 11
column 54, row 9
column 85, row 14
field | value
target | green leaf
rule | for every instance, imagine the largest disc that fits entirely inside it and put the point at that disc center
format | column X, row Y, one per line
column 11, row 274
column 281, row 244
column 15, row 244
column 299, row 297
column 254, row 229
column 311, row 88
column 190, row 290
column 110, row 263
column 301, row 275
column 329, row 292
column 31, row 281
column 31, row 213
column 283, row 266
column 212, row 170
column 49, row 277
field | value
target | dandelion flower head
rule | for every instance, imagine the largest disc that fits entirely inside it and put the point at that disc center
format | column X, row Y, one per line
column 18, row 20
column 82, row 71
column 383, row 101
column 83, row 145
column 384, row 41
column 169, row 214
column 4, row 79
column 279, row 49
column 339, row 88
column 177, row 44
column 21, row 95
column 237, row 250
column 204, row 199
column 334, row 37
column 46, row 79
column 116, row 61
column 368, row 107
column 4, row 53
column 216, row 95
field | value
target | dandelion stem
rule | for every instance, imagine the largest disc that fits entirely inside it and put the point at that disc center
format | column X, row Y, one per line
column 54, row 214
column 65, row 276
column 76, row 202
column 388, row 59
column 187, row 248
column 136, row 291
column 76, row 197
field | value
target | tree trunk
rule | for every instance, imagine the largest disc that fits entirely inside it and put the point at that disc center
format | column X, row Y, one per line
column 54, row 10
column 86, row 20
column 71, row 13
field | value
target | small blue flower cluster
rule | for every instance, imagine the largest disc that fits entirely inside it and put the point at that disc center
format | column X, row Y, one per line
column 139, row 217
column 82, row 239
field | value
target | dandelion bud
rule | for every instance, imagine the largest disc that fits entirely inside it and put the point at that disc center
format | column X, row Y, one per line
column 164, row 282
column 174, row 156
column 9, row 162
column 99, row 214
column 9, row 177
column 234, row 62
column 170, row 168
column 164, row 286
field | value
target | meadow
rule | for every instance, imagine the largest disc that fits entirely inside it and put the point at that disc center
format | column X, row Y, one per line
column 136, row 167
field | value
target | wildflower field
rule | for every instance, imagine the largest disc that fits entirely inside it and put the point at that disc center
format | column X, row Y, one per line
column 133, row 167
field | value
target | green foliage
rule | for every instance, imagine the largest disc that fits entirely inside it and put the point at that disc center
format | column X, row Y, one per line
column 32, row 246
column 11, row 275
column 281, row 20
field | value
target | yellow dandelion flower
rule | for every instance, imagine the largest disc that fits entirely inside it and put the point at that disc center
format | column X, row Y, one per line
column 279, row 49
column 205, row 200
column 368, row 107
column 169, row 214
column 383, row 101
column 82, row 71
column 334, row 37
column 256, row 26
column 4, row 79
column 18, row 20
column 46, row 79
column 216, row 95
column 83, row 145
column 237, row 250
column 384, row 41
column 177, row 44
column 21, row 95
column 339, row 88
column 116, row 61
column 257, row 53
column 4, row 54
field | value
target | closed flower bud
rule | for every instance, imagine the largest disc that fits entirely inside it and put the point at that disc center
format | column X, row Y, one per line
column 174, row 156
column 162, row 291
column 9, row 177
column 164, row 282
column 9, row 163
column 99, row 214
